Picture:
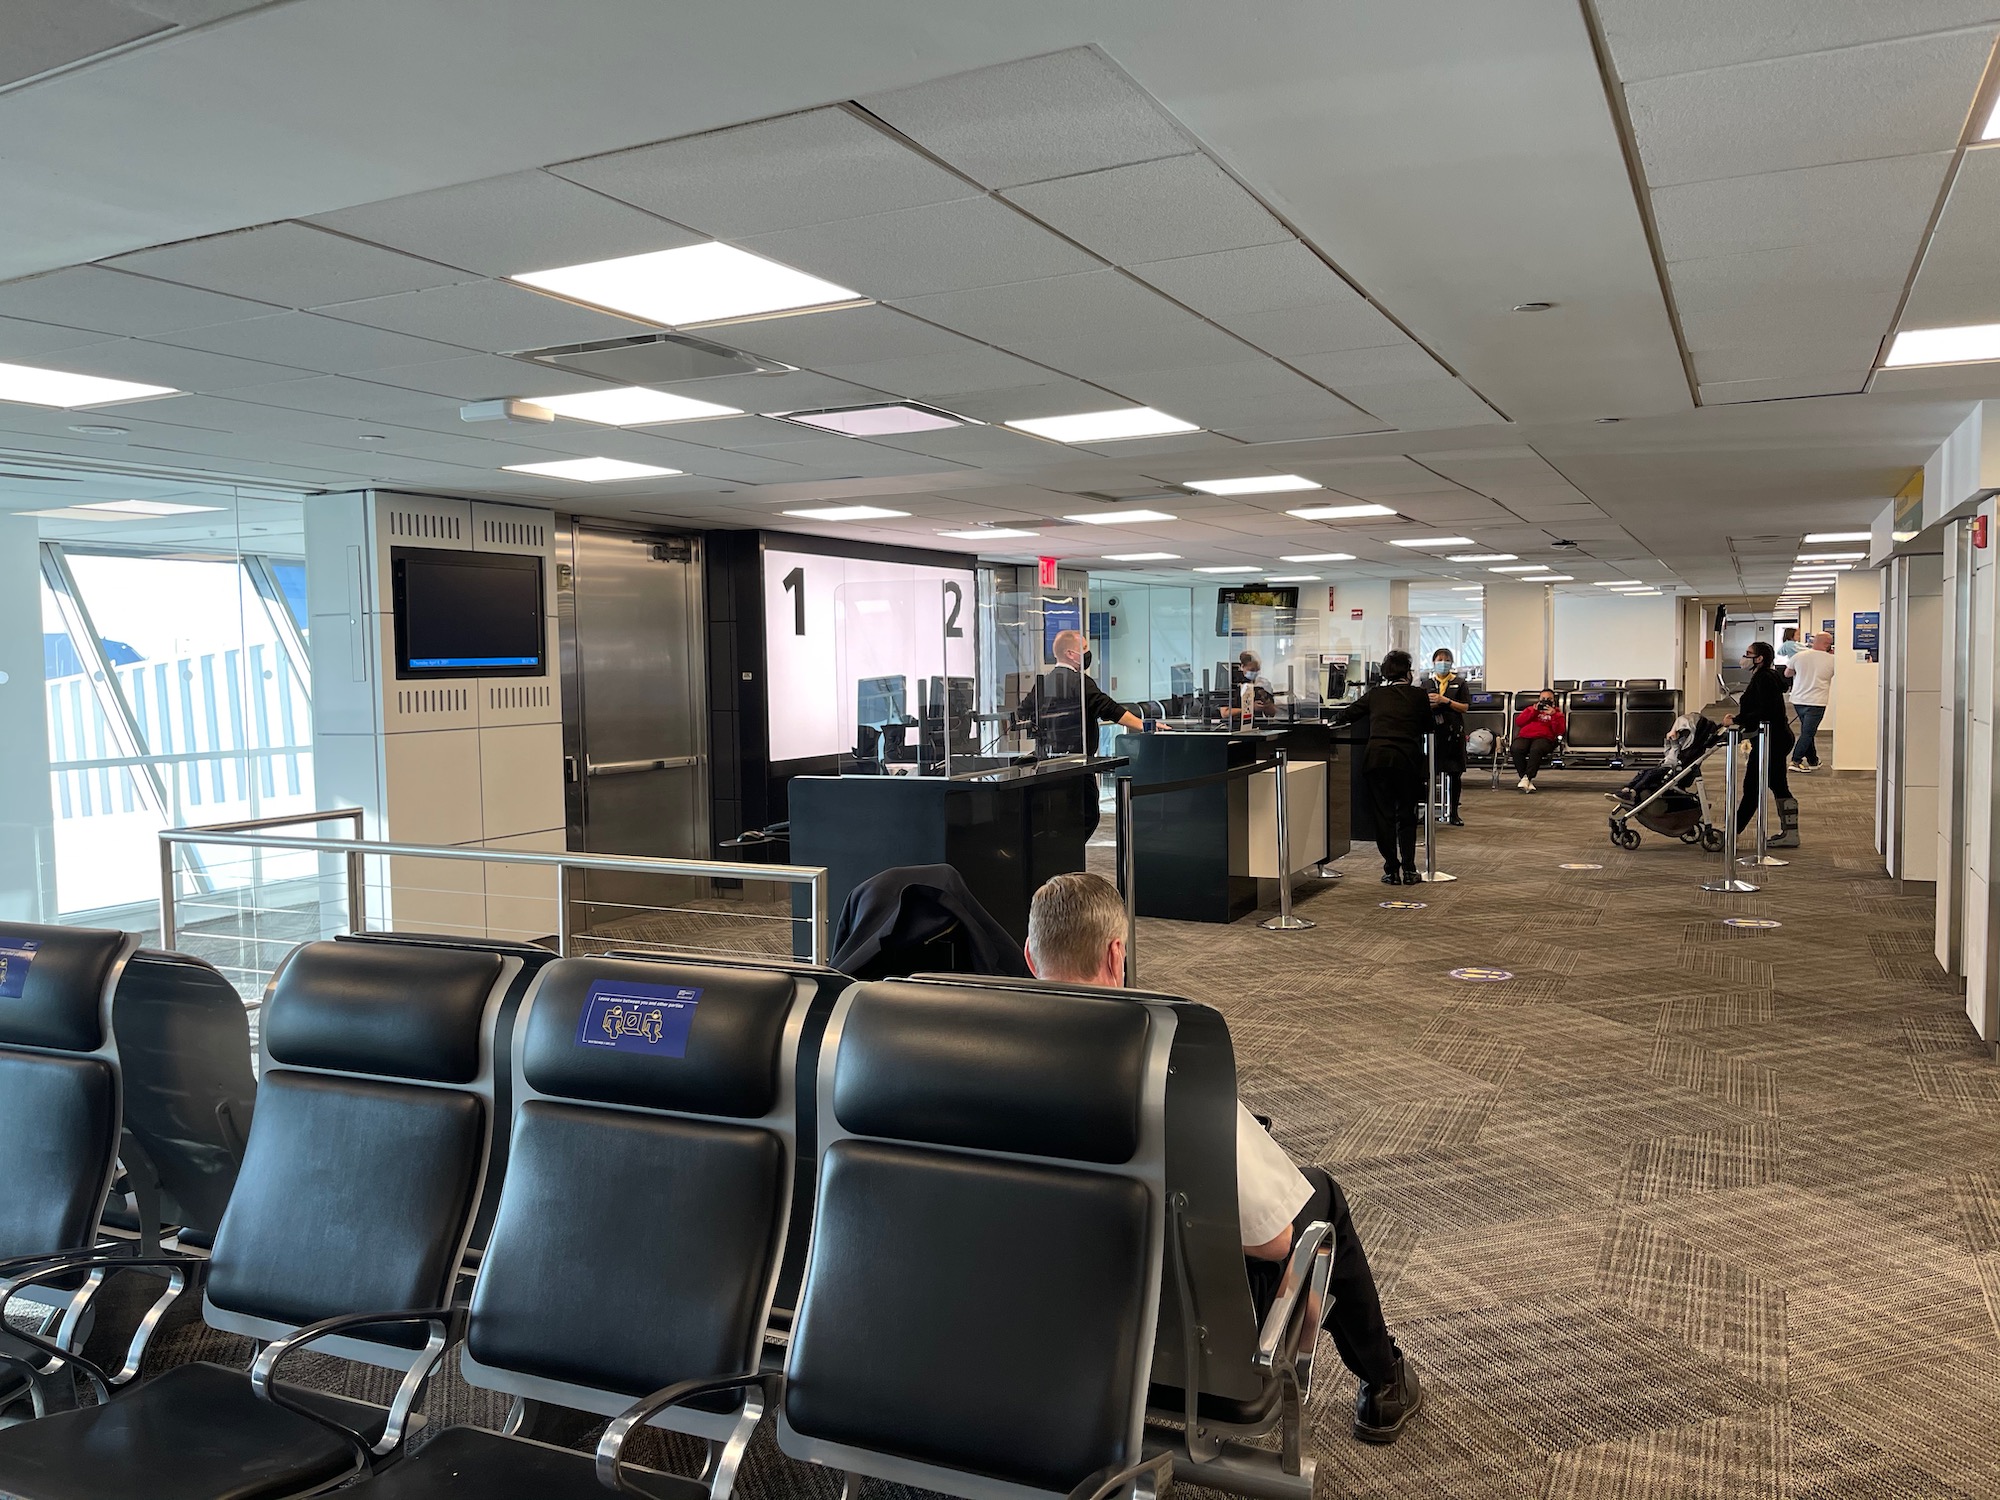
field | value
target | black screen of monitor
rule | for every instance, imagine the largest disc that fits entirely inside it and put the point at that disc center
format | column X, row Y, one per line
column 881, row 700
column 468, row 614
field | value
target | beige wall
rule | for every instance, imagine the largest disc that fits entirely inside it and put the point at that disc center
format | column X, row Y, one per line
column 1516, row 637
column 1857, row 705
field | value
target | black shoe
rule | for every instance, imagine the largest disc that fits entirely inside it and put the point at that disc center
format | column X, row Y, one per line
column 1392, row 877
column 1456, row 821
column 1381, row 1412
column 1411, row 877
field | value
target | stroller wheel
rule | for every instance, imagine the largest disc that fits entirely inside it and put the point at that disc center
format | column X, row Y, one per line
column 1711, row 839
column 1616, row 836
column 1629, row 839
column 1692, row 836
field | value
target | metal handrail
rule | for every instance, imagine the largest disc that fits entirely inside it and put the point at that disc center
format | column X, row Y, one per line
column 246, row 834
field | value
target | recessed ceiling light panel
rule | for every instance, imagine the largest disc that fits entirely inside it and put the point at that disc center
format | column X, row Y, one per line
column 988, row 534
column 875, row 421
column 30, row 386
column 1293, row 578
column 693, row 285
column 1317, row 557
column 1142, row 557
column 1104, row 426
column 1482, row 557
column 1829, row 557
column 592, row 470
column 1816, row 537
column 1231, row 569
column 144, row 507
column 1522, row 568
column 634, row 406
column 1432, row 541
column 1973, row 343
column 847, row 513
column 1339, row 512
column 1121, row 517
column 1255, row 484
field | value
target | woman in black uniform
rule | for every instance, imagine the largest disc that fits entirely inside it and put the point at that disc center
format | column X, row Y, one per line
column 1762, row 702
column 1399, row 716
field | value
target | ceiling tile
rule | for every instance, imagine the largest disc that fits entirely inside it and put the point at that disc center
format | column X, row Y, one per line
column 45, row 34
column 1153, row 211
column 938, row 247
column 1044, row 117
column 1651, row 38
column 983, row 447
column 493, row 316
column 160, row 364
column 1349, row 322
column 925, row 376
column 289, row 265
column 1892, row 99
column 1816, row 293
column 1358, row 369
column 504, row 226
column 1044, row 398
column 113, row 302
column 1254, row 279
column 307, row 342
column 338, row 395
column 845, row 336
column 484, row 377
column 801, row 169
column 1889, row 199
column 1730, row 391
column 1422, row 405
column 22, row 340
column 1295, row 423
column 1956, row 284
column 851, row 456
column 1796, row 358
column 1087, row 324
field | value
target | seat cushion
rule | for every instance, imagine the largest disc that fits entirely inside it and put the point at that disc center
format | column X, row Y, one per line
column 466, row 1463
column 197, row 1432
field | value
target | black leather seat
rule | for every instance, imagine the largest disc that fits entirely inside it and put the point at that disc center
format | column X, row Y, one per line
column 643, row 1220
column 359, row 1181
column 59, row 1115
column 1650, row 714
column 1595, row 717
column 979, row 1304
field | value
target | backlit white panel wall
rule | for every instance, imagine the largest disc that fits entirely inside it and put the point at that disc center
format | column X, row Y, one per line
column 1922, row 649
column 1600, row 637
column 1516, row 637
column 830, row 622
column 473, row 761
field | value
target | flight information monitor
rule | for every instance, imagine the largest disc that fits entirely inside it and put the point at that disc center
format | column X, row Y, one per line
column 468, row 614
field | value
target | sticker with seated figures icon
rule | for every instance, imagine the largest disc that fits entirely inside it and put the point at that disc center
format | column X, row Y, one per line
column 1403, row 905
column 1757, row 922
column 1481, row 976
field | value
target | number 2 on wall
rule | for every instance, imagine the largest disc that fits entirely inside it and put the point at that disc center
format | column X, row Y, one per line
column 952, row 629
column 795, row 583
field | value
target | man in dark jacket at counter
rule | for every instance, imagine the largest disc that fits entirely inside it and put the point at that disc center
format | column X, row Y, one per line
column 1065, row 703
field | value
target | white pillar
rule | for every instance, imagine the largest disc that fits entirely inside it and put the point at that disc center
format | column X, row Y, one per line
column 27, row 822
column 1517, row 636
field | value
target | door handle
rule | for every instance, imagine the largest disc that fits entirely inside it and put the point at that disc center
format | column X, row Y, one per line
column 635, row 767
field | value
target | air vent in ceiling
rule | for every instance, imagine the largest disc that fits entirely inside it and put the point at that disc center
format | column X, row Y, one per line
column 653, row 359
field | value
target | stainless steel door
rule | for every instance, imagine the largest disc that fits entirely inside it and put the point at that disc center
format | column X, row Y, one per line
column 640, row 754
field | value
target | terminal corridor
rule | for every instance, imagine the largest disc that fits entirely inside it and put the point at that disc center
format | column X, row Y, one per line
column 1680, row 1209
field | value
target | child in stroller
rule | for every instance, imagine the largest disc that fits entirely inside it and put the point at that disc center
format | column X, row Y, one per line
column 1668, row 798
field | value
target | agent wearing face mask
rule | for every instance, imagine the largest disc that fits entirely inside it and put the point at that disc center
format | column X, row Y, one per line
column 1450, row 699
column 1538, row 730
column 1763, row 702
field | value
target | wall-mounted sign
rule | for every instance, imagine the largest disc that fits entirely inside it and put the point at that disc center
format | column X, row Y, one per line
column 1045, row 572
column 1868, row 632
column 1355, row 614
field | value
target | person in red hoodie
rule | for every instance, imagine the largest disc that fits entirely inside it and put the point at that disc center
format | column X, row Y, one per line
column 1538, row 729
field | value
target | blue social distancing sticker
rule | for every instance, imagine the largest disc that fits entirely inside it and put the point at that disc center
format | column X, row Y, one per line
column 650, row 1018
column 17, row 956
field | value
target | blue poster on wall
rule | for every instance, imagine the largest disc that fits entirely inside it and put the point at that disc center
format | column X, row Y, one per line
column 1868, row 632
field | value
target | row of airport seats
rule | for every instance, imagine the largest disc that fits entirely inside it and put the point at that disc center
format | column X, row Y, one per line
column 1608, row 723
column 977, row 1236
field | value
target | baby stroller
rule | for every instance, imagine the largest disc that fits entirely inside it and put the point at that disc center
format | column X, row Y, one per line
column 1670, row 798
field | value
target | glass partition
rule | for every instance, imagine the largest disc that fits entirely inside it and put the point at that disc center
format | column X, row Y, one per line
column 1038, row 712
column 906, row 675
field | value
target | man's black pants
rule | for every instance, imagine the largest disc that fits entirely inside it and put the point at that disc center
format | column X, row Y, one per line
column 1354, row 1311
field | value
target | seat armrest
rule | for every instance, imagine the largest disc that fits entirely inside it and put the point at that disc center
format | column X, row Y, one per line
column 1279, row 1336
column 443, row 1323
column 611, row 1447
column 29, row 1270
column 1157, row 1473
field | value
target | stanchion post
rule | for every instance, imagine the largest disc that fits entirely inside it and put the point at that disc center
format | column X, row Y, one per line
column 1284, row 921
column 1204, row 697
column 1730, row 881
column 1764, row 856
column 1432, row 875
column 1128, row 875
column 167, row 894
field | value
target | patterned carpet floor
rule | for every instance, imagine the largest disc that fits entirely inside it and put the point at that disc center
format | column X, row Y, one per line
column 1680, row 1209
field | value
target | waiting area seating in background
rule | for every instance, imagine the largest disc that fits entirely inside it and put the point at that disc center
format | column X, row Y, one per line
column 1610, row 723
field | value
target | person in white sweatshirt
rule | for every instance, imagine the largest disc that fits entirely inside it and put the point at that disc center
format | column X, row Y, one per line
column 1811, row 672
